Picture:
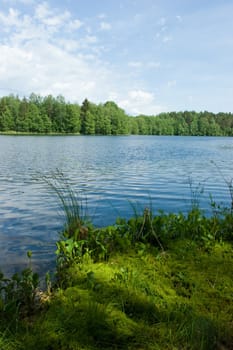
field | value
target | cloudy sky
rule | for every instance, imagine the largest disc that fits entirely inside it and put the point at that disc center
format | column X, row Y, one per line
column 148, row 56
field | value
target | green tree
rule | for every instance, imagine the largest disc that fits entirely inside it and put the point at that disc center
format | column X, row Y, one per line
column 102, row 121
column 48, row 110
column 35, row 99
column 23, row 120
column 203, row 124
column 47, row 124
column 180, row 125
column 34, row 117
column 133, row 126
column 166, row 126
column 72, row 121
column 118, row 119
column 225, row 121
column 142, row 125
column 13, row 103
column 193, row 128
column 59, row 114
column 6, row 118
column 49, row 114
column 87, row 118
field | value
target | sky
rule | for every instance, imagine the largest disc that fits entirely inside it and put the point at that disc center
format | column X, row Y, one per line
column 148, row 56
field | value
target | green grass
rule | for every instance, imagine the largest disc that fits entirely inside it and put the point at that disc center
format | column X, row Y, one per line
column 178, row 299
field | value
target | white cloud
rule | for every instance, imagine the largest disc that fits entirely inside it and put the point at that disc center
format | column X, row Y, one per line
column 141, row 95
column 140, row 102
column 42, row 11
column 112, row 96
column 69, row 45
column 26, row 2
column 11, row 19
column 135, row 64
column 154, row 65
column 105, row 26
column 46, row 15
column 78, row 45
column 102, row 16
column 162, row 21
column 145, row 65
column 47, row 69
column 14, row 2
column 41, row 53
column 75, row 24
column 162, row 32
column 167, row 38
column 171, row 83
column 34, row 58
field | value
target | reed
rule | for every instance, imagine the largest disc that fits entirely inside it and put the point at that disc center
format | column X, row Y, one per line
column 72, row 203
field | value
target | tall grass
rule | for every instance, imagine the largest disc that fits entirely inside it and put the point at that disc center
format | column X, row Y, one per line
column 72, row 204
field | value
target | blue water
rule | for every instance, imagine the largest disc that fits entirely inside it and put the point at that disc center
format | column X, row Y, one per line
column 114, row 174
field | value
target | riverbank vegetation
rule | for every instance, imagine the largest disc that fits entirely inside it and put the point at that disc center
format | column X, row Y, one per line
column 45, row 115
column 161, row 281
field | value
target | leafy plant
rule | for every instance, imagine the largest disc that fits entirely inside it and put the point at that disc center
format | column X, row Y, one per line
column 142, row 229
column 18, row 294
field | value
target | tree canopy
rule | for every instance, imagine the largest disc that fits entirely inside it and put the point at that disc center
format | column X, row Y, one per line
column 50, row 114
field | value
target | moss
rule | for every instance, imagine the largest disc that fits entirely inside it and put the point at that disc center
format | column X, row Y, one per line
column 178, row 299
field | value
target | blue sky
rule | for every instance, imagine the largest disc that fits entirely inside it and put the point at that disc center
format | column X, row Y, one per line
column 148, row 56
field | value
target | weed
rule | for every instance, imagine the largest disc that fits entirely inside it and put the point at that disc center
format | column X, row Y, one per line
column 18, row 295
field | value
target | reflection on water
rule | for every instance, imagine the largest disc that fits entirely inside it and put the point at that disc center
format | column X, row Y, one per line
column 112, row 172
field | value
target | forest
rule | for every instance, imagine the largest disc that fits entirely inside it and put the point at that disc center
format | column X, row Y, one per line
column 45, row 115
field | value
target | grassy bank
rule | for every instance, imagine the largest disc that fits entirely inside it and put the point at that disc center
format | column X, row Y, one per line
column 139, row 299
column 151, row 282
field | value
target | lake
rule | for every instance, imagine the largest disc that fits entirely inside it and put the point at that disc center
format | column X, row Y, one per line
column 115, row 174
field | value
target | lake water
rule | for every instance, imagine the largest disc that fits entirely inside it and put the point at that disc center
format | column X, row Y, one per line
column 114, row 174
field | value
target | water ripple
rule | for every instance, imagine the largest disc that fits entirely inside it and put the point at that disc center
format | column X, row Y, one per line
column 113, row 173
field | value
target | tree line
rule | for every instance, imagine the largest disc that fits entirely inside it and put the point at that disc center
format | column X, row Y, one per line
column 37, row 114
